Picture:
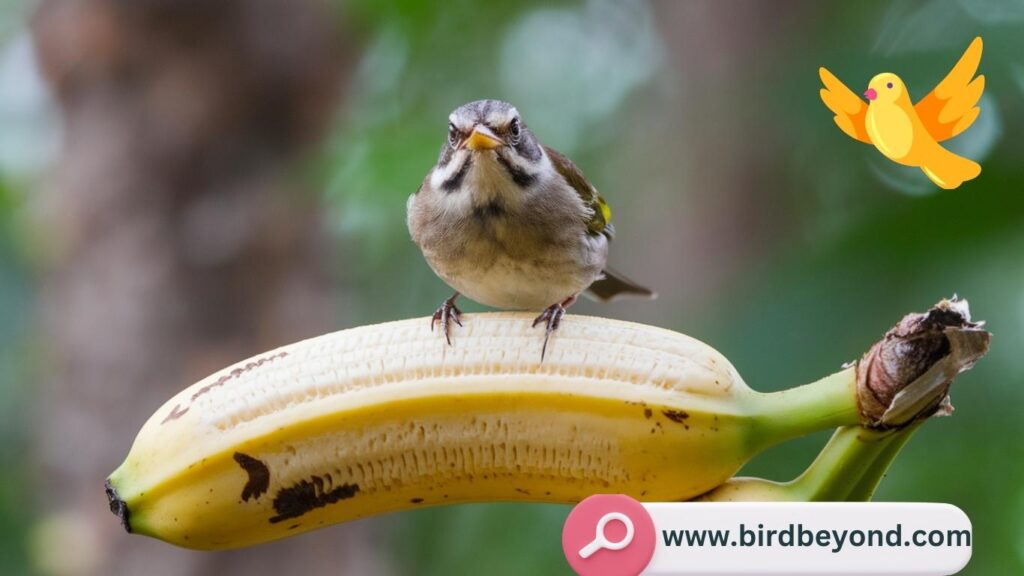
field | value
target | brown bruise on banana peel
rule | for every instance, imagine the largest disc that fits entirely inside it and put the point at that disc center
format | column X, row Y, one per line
column 178, row 411
column 677, row 416
column 309, row 494
column 259, row 476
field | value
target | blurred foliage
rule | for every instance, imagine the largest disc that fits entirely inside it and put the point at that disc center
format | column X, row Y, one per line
column 855, row 243
column 11, row 20
column 15, row 393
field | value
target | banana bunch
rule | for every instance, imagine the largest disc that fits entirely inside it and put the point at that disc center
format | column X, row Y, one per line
column 388, row 417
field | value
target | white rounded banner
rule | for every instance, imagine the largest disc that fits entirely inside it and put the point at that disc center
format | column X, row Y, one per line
column 746, row 538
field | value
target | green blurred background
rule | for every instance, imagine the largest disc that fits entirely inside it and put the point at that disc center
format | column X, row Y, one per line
column 184, row 183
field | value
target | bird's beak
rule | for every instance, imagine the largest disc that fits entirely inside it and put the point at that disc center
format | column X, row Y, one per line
column 482, row 138
column 870, row 94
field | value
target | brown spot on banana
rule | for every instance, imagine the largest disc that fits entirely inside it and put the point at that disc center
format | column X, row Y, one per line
column 678, row 416
column 259, row 476
column 306, row 495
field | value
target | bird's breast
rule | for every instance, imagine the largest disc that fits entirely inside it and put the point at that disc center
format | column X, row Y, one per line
column 510, row 255
column 891, row 130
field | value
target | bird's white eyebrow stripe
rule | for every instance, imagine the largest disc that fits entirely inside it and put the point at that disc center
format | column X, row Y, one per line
column 495, row 118
column 459, row 121
column 498, row 118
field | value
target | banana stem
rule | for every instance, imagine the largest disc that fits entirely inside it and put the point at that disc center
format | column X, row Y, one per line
column 851, row 465
column 828, row 403
column 877, row 405
column 873, row 475
column 903, row 378
column 848, row 469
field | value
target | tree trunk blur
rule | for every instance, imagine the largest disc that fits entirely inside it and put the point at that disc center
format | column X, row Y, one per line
column 177, row 244
column 716, row 220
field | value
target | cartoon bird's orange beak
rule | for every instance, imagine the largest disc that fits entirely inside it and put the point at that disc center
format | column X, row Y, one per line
column 482, row 138
column 870, row 94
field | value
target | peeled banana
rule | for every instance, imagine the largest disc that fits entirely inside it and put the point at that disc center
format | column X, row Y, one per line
column 388, row 417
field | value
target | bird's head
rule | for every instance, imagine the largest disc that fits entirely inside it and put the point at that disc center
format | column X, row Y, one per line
column 885, row 87
column 488, row 143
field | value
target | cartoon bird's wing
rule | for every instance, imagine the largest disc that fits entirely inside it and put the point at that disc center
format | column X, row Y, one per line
column 847, row 106
column 600, row 221
column 952, row 106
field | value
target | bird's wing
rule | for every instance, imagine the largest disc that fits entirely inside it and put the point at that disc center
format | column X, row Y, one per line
column 849, row 109
column 600, row 219
column 952, row 106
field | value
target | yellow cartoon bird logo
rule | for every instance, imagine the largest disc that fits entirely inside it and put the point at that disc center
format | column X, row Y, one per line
column 909, row 134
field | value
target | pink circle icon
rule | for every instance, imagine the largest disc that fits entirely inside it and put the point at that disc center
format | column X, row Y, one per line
column 608, row 535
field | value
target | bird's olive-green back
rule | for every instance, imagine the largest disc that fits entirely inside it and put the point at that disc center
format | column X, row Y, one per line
column 602, row 213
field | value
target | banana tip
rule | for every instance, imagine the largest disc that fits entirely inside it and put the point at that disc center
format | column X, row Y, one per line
column 118, row 506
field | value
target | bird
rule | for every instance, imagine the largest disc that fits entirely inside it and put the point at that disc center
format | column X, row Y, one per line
column 511, row 223
column 909, row 134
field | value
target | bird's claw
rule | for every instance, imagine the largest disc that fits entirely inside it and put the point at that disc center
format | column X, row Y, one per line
column 447, row 313
column 552, row 317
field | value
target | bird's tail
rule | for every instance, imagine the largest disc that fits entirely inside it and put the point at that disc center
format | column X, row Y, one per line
column 614, row 285
column 948, row 170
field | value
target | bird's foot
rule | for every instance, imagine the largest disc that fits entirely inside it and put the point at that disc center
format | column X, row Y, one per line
column 552, row 318
column 447, row 313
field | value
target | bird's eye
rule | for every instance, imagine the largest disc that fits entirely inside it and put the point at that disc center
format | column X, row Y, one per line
column 514, row 129
column 453, row 134
column 889, row 85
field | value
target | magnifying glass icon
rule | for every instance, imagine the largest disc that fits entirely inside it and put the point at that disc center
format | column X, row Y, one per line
column 600, row 541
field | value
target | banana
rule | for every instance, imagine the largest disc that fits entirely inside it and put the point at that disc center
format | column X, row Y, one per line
column 388, row 417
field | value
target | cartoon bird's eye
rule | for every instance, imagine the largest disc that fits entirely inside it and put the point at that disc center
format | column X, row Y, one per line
column 889, row 85
column 514, row 129
column 453, row 134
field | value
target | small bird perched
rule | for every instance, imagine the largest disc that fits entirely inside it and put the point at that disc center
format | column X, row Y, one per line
column 511, row 223
column 910, row 134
